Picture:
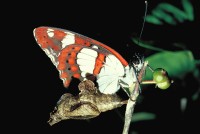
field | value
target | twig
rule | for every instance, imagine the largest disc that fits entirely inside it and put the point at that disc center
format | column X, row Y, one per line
column 132, row 100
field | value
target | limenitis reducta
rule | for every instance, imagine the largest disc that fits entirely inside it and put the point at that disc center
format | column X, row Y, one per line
column 78, row 56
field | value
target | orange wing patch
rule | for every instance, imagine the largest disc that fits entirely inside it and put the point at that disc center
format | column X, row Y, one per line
column 67, row 63
column 99, row 62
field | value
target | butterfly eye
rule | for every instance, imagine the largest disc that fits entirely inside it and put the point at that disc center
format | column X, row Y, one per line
column 69, row 68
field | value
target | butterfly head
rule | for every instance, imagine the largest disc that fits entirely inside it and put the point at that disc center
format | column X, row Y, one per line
column 128, row 81
column 137, row 62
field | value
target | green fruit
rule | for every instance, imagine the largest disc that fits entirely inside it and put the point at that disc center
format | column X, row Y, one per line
column 161, row 78
column 164, row 85
column 160, row 75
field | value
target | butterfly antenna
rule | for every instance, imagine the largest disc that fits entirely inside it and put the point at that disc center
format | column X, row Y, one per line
column 146, row 4
column 145, row 14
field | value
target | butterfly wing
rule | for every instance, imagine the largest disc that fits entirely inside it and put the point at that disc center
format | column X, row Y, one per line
column 78, row 56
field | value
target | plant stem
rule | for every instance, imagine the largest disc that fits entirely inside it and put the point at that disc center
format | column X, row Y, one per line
column 132, row 100
column 128, row 115
column 148, row 82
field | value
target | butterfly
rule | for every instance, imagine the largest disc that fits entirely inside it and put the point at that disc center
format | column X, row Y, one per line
column 78, row 56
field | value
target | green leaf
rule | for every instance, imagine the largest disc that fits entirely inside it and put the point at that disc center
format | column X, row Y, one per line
column 159, row 13
column 195, row 96
column 177, row 64
column 134, row 132
column 177, row 13
column 142, row 116
column 153, row 20
column 169, row 13
column 188, row 8
column 196, row 72
column 183, row 104
column 146, row 45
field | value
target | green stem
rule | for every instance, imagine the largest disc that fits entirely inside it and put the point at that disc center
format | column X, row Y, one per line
column 148, row 82
column 150, row 68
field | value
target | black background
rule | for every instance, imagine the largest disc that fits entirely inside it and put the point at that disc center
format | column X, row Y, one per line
column 33, row 86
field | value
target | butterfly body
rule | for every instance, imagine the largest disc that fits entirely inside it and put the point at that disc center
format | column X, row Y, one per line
column 78, row 56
